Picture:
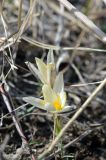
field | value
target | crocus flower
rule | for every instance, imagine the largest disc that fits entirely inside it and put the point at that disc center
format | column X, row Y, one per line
column 44, row 71
column 54, row 99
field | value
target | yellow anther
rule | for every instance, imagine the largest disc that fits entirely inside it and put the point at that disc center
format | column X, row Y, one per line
column 57, row 104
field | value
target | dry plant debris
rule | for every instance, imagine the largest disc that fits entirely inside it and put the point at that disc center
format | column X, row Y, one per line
column 76, row 32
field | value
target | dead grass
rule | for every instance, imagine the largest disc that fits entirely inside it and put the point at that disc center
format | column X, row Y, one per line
column 28, row 29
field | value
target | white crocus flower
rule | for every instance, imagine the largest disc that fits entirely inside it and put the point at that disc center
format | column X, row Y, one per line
column 44, row 71
column 54, row 99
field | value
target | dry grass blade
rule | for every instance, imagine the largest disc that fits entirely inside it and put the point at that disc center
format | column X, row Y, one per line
column 19, row 14
column 53, row 47
column 85, row 20
column 65, row 14
column 6, row 35
column 31, row 3
column 75, row 116
column 26, row 21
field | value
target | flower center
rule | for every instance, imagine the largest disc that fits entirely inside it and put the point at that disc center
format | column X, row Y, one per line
column 57, row 104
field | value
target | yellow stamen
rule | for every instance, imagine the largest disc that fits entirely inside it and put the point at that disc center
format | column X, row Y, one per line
column 57, row 104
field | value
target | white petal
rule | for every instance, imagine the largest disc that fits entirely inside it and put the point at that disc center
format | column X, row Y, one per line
column 49, row 107
column 63, row 98
column 59, row 83
column 66, row 109
column 35, row 101
column 42, row 69
column 49, row 95
column 33, row 69
column 50, row 57
column 49, row 68
column 42, row 78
